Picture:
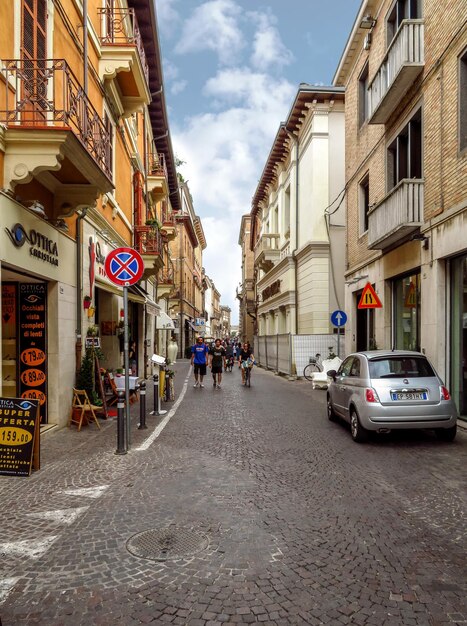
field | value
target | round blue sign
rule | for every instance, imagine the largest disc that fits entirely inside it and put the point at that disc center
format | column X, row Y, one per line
column 338, row 318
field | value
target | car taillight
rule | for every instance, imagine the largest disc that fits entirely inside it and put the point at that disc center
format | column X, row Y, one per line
column 445, row 393
column 371, row 395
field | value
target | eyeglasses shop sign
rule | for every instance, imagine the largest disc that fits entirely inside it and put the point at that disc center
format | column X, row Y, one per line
column 40, row 246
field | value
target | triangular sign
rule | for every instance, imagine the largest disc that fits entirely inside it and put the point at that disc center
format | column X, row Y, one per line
column 410, row 298
column 369, row 299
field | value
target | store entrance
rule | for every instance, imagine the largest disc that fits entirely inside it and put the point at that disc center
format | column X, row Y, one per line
column 24, row 352
column 365, row 335
column 458, row 381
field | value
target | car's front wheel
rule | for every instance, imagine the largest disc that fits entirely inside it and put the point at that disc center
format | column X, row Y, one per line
column 359, row 434
column 446, row 434
column 331, row 413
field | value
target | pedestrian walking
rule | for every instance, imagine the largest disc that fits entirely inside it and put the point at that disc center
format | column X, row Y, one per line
column 217, row 363
column 199, row 356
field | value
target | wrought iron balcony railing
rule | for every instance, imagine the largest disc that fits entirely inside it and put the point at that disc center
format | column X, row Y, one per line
column 119, row 27
column 148, row 240
column 167, row 274
column 48, row 95
column 157, row 166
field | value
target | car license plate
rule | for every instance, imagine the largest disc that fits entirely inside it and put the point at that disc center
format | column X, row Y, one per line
column 409, row 395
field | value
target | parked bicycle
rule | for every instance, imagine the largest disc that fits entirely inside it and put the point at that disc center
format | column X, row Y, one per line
column 314, row 365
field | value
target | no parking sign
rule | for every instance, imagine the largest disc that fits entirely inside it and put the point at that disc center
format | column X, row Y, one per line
column 124, row 266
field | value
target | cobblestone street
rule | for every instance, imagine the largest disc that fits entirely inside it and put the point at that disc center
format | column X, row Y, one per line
column 288, row 520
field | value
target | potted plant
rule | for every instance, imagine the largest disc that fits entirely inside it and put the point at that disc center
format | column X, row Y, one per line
column 92, row 331
column 87, row 302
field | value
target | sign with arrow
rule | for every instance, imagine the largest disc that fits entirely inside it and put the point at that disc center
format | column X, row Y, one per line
column 338, row 318
column 369, row 299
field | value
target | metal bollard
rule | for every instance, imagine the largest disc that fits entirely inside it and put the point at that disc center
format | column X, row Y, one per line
column 157, row 401
column 121, row 423
column 142, row 406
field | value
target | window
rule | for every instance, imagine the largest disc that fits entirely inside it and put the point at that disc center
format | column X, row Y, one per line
column 286, row 225
column 364, row 203
column 396, row 367
column 463, row 102
column 405, row 153
column 363, row 96
column 406, row 293
column 355, row 369
column 346, row 366
column 402, row 10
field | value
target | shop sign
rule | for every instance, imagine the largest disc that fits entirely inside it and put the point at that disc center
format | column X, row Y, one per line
column 40, row 246
column 8, row 310
column 19, row 436
column 272, row 290
column 33, row 344
column 92, row 342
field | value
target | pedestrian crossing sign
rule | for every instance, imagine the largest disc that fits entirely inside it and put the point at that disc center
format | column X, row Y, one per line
column 369, row 299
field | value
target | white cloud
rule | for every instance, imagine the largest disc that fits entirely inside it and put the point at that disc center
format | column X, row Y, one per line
column 225, row 152
column 167, row 15
column 178, row 86
column 268, row 49
column 214, row 25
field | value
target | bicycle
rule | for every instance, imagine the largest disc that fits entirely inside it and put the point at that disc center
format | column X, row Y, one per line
column 247, row 366
column 314, row 366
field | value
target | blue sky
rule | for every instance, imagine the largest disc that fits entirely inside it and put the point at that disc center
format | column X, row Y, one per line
column 232, row 69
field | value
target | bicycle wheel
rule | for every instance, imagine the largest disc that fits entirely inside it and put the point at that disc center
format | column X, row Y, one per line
column 309, row 370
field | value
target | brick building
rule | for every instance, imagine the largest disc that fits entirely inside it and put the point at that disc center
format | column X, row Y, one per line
column 404, row 69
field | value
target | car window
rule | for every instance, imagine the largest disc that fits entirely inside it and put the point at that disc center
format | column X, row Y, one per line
column 344, row 369
column 355, row 368
column 400, row 367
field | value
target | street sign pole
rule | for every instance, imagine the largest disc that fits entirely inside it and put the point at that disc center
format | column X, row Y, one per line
column 125, row 267
column 126, row 365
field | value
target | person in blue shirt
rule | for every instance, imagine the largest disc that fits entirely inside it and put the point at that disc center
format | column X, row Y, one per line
column 199, row 354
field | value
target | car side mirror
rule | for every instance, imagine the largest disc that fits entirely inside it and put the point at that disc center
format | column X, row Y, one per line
column 332, row 374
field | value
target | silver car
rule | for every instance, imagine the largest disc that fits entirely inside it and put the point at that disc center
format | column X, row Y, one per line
column 387, row 390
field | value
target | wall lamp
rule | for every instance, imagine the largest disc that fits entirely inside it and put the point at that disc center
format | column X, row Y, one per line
column 367, row 22
column 423, row 238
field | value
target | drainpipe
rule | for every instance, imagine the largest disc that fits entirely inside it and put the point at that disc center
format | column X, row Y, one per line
column 79, row 288
column 85, row 46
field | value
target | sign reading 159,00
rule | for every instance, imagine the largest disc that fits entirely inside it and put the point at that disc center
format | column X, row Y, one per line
column 14, row 436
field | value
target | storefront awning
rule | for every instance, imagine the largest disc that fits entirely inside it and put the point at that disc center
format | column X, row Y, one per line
column 118, row 291
column 191, row 325
column 137, row 294
column 164, row 322
column 152, row 308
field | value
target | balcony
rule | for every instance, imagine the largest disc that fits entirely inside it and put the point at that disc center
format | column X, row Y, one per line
column 148, row 242
column 398, row 216
column 123, row 64
column 165, row 278
column 169, row 225
column 267, row 251
column 158, row 185
column 404, row 61
column 54, row 135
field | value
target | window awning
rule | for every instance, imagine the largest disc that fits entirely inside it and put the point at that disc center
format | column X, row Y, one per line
column 164, row 322
column 152, row 308
column 191, row 325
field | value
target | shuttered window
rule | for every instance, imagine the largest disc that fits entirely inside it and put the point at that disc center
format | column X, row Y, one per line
column 33, row 55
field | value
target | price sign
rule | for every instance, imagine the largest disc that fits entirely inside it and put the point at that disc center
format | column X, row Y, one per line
column 19, row 436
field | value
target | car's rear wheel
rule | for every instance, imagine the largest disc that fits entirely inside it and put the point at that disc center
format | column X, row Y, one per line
column 331, row 414
column 446, row 434
column 359, row 434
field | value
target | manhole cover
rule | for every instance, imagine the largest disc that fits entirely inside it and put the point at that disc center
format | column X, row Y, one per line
column 166, row 543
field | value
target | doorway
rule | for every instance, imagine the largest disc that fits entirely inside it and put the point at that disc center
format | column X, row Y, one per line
column 365, row 328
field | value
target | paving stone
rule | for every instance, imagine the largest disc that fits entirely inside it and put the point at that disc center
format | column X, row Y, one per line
column 304, row 526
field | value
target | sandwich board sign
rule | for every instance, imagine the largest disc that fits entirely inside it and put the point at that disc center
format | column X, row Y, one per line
column 369, row 299
column 19, row 436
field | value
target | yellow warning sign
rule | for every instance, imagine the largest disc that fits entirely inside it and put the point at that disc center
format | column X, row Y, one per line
column 410, row 297
column 369, row 299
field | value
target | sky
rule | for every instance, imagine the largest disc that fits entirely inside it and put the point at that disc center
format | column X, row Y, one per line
column 231, row 72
